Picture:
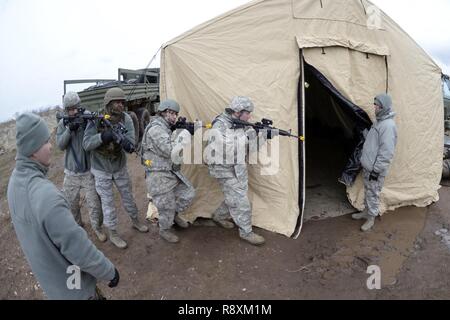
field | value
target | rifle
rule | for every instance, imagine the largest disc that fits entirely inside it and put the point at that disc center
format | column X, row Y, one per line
column 119, row 133
column 182, row 123
column 79, row 118
column 265, row 124
column 118, row 130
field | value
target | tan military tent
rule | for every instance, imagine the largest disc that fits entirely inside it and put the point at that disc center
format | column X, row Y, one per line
column 347, row 52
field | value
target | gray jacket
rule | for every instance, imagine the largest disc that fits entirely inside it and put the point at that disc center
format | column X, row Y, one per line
column 76, row 159
column 92, row 142
column 381, row 140
column 49, row 236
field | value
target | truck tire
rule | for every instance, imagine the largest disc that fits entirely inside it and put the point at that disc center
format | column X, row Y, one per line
column 136, row 127
column 144, row 119
column 446, row 169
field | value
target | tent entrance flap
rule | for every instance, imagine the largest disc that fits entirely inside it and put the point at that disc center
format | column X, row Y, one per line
column 334, row 128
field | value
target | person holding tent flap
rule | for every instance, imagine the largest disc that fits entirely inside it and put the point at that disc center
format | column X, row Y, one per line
column 377, row 154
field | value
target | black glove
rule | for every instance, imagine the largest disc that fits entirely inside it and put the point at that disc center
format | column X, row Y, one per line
column 73, row 126
column 115, row 281
column 127, row 146
column 191, row 129
column 374, row 176
column 107, row 136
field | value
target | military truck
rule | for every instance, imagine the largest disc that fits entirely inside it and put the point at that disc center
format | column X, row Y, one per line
column 446, row 91
column 141, row 89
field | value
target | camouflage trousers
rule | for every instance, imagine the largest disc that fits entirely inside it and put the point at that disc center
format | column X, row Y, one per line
column 236, row 204
column 372, row 191
column 104, row 186
column 172, row 194
column 72, row 187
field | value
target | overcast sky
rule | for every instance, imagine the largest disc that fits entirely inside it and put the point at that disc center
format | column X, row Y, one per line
column 45, row 42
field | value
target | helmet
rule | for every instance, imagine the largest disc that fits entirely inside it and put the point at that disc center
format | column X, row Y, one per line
column 71, row 100
column 169, row 104
column 113, row 94
column 239, row 104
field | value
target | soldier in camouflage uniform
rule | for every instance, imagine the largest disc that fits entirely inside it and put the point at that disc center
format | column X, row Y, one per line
column 376, row 158
column 108, row 163
column 171, row 191
column 77, row 175
column 233, row 177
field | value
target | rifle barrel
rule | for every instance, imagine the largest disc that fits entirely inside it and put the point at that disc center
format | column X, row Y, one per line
column 260, row 126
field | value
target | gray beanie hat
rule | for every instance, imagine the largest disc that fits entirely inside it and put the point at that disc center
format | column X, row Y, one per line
column 31, row 133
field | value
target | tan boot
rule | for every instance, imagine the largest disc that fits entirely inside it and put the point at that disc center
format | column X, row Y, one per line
column 168, row 236
column 99, row 233
column 139, row 226
column 116, row 239
column 181, row 222
column 254, row 239
column 224, row 223
column 369, row 224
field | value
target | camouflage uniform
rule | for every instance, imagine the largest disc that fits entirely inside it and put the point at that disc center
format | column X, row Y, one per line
column 171, row 191
column 77, row 174
column 108, row 162
column 72, row 188
column 233, row 178
column 372, row 190
column 104, row 185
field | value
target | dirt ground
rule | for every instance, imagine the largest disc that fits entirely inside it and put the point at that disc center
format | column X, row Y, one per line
column 328, row 261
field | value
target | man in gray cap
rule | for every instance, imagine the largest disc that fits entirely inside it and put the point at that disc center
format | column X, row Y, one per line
column 77, row 174
column 377, row 154
column 53, row 243
column 233, row 177
column 171, row 191
column 109, row 163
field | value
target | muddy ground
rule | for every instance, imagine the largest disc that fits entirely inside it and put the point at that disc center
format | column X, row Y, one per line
column 328, row 261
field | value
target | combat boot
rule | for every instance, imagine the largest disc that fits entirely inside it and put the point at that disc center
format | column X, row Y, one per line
column 224, row 223
column 181, row 222
column 361, row 215
column 99, row 233
column 116, row 239
column 168, row 236
column 369, row 224
column 253, row 239
column 139, row 226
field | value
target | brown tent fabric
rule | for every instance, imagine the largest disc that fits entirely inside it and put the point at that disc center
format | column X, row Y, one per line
column 256, row 50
